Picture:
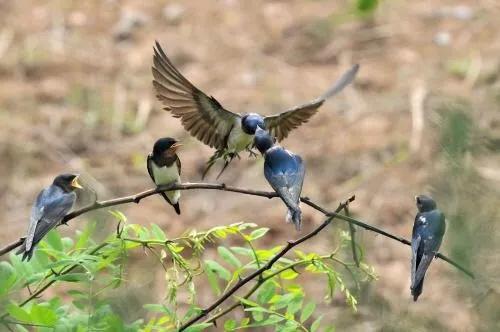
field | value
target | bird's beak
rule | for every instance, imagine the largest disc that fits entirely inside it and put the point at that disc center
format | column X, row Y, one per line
column 174, row 147
column 75, row 183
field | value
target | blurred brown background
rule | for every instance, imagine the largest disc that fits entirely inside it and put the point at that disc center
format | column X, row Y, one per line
column 422, row 117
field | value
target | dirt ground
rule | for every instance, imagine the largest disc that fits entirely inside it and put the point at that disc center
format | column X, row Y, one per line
column 76, row 95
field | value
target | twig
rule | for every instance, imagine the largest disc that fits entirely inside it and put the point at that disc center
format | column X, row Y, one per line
column 267, row 266
column 221, row 186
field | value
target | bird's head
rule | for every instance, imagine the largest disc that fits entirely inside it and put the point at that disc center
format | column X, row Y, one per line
column 67, row 182
column 425, row 203
column 263, row 140
column 166, row 147
column 250, row 122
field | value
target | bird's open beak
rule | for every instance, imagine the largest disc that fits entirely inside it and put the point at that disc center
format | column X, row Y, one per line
column 174, row 147
column 75, row 183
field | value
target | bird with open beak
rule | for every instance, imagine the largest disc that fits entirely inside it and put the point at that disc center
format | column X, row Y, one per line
column 428, row 232
column 164, row 167
column 51, row 206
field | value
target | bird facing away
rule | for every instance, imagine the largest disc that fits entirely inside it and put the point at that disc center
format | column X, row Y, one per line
column 428, row 232
column 207, row 120
column 164, row 167
column 51, row 206
column 285, row 173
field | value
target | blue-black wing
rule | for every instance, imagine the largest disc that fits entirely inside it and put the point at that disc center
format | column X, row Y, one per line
column 285, row 173
column 50, row 207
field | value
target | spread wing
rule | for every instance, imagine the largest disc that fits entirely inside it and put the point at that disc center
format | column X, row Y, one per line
column 280, row 125
column 49, row 211
column 202, row 116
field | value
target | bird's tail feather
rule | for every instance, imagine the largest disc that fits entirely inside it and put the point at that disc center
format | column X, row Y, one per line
column 176, row 205
column 417, row 290
column 295, row 216
column 27, row 254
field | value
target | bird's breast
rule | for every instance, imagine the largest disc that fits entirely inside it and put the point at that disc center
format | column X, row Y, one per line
column 238, row 140
column 165, row 175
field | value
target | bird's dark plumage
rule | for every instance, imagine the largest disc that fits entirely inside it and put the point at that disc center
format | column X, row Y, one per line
column 207, row 120
column 164, row 167
column 285, row 173
column 428, row 232
column 51, row 206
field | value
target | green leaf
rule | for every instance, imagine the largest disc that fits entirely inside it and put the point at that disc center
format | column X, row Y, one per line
column 289, row 274
column 158, row 232
column 243, row 251
column 258, row 233
column 198, row 327
column 18, row 313
column 271, row 320
column 84, row 236
column 229, row 325
column 266, row 291
column 218, row 269
column 118, row 215
column 294, row 305
column 157, row 308
column 307, row 311
column 228, row 256
column 212, row 280
column 7, row 277
column 315, row 324
column 73, row 277
column 43, row 315
column 54, row 240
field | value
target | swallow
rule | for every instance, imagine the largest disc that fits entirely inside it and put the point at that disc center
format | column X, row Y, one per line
column 229, row 133
column 428, row 232
column 164, row 167
column 51, row 206
column 285, row 173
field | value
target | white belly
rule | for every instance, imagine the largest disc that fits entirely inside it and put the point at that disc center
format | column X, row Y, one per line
column 238, row 139
column 167, row 175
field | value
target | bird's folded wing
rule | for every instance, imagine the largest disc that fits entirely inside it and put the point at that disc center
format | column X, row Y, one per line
column 287, row 185
column 54, row 211
column 36, row 215
column 202, row 116
column 415, row 243
column 280, row 125
column 422, row 267
column 149, row 165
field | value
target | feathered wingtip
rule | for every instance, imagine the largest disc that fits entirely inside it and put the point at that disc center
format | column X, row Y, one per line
column 295, row 217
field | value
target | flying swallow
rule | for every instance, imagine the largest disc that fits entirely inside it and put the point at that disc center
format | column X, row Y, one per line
column 207, row 120
column 164, row 167
column 428, row 232
column 285, row 173
column 51, row 206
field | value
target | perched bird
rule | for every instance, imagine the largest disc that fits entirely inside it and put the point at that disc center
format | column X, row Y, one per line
column 164, row 167
column 428, row 232
column 230, row 133
column 51, row 206
column 285, row 173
